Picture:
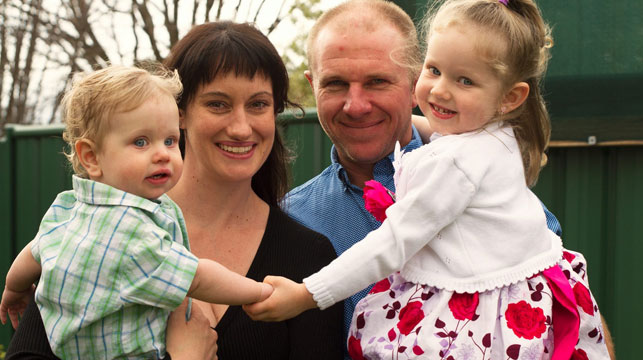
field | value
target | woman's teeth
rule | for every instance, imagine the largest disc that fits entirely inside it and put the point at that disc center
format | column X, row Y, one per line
column 235, row 149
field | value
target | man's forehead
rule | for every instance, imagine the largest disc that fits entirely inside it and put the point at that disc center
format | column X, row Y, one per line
column 357, row 43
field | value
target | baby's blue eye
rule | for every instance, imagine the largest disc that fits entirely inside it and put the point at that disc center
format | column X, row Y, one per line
column 140, row 142
column 169, row 141
column 466, row 81
column 434, row 70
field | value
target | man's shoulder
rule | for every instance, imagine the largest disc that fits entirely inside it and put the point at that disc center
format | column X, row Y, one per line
column 319, row 183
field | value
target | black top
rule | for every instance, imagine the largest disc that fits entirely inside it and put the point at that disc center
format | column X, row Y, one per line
column 287, row 249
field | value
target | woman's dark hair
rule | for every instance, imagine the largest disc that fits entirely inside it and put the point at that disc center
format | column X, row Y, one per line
column 224, row 47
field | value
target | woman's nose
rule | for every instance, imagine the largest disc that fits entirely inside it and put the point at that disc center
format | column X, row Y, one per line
column 239, row 127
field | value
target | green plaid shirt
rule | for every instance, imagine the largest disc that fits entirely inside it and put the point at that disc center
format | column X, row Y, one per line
column 113, row 266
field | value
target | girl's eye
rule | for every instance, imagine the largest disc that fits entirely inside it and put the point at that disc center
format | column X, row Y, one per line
column 170, row 141
column 466, row 81
column 433, row 70
column 140, row 142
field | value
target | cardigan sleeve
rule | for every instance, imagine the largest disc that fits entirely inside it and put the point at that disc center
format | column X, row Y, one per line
column 437, row 190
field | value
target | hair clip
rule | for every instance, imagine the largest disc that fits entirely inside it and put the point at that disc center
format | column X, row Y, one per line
column 504, row 2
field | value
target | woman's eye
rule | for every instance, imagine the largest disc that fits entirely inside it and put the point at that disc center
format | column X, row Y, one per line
column 216, row 104
column 140, row 142
column 466, row 81
column 433, row 70
column 170, row 141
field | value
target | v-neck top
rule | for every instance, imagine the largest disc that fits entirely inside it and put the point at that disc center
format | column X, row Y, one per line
column 294, row 251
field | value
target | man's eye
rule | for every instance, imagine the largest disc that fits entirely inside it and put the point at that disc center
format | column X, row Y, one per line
column 140, row 142
column 334, row 84
column 378, row 81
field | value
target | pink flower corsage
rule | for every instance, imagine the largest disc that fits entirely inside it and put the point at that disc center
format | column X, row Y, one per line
column 377, row 199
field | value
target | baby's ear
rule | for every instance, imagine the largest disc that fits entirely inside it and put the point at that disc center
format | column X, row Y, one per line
column 86, row 150
column 514, row 97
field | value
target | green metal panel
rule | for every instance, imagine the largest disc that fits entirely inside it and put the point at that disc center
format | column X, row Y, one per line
column 596, row 194
column 6, row 219
column 626, row 245
column 309, row 144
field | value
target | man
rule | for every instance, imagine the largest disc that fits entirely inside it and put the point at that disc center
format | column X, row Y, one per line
column 364, row 61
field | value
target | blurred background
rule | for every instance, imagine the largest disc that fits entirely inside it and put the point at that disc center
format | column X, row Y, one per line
column 593, row 181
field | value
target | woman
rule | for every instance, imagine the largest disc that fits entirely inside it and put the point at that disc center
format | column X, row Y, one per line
column 234, row 175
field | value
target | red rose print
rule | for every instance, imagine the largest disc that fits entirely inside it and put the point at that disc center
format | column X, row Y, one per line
column 355, row 348
column 525, row 321
column 377, row 199
column 583, row 298
column 381, row 286
column 568, row 256
column 463, row 306
column 410, row 316
column 579, row 354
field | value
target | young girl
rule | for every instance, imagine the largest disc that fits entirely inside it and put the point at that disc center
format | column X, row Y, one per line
column 113, row 254
column 476, row 274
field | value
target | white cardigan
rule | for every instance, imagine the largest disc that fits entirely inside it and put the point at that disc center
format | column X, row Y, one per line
column 464, row 221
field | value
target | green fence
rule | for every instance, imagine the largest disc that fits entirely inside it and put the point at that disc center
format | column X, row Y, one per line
column 595, row 191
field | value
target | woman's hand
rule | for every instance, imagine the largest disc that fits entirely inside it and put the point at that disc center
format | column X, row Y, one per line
column 194, row 339
column 287, row 300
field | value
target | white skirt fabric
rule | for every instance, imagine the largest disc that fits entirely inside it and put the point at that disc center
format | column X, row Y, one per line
column 403, row 320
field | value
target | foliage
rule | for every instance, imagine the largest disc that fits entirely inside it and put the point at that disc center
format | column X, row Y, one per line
column 43, row 43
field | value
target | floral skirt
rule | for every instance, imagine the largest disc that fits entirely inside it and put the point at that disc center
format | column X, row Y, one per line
column 403, row 320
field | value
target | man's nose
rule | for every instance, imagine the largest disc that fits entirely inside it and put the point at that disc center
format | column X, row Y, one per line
column 357, row 102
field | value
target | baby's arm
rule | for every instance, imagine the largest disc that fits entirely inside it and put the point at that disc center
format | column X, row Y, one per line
column 24, row 271
column 214, row 283
column 288, row 300
column 423, row 127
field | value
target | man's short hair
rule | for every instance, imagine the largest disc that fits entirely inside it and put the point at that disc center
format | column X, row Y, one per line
column 374, row 12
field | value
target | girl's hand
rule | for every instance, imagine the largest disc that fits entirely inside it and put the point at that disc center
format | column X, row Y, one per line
column 194, row 339
column 14, row 303
column 287, row 300
column 423, row 127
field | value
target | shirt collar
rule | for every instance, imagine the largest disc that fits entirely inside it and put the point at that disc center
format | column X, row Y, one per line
column 96, row 193
column 385, row 163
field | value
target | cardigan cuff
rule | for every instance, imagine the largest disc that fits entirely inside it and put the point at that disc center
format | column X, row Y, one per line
column 321, row 295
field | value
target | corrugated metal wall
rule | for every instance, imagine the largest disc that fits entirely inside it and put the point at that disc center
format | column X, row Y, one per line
column 595, row 192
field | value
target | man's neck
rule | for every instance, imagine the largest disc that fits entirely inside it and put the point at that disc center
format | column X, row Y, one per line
column 358, row 174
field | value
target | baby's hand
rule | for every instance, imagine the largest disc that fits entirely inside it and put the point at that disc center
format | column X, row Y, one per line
column 14, row 303
column 266, row 291
column 287, row 300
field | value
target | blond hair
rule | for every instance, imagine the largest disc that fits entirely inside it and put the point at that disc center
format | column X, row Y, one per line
column 374, row 12
column 523, row 57
column 95, row 96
